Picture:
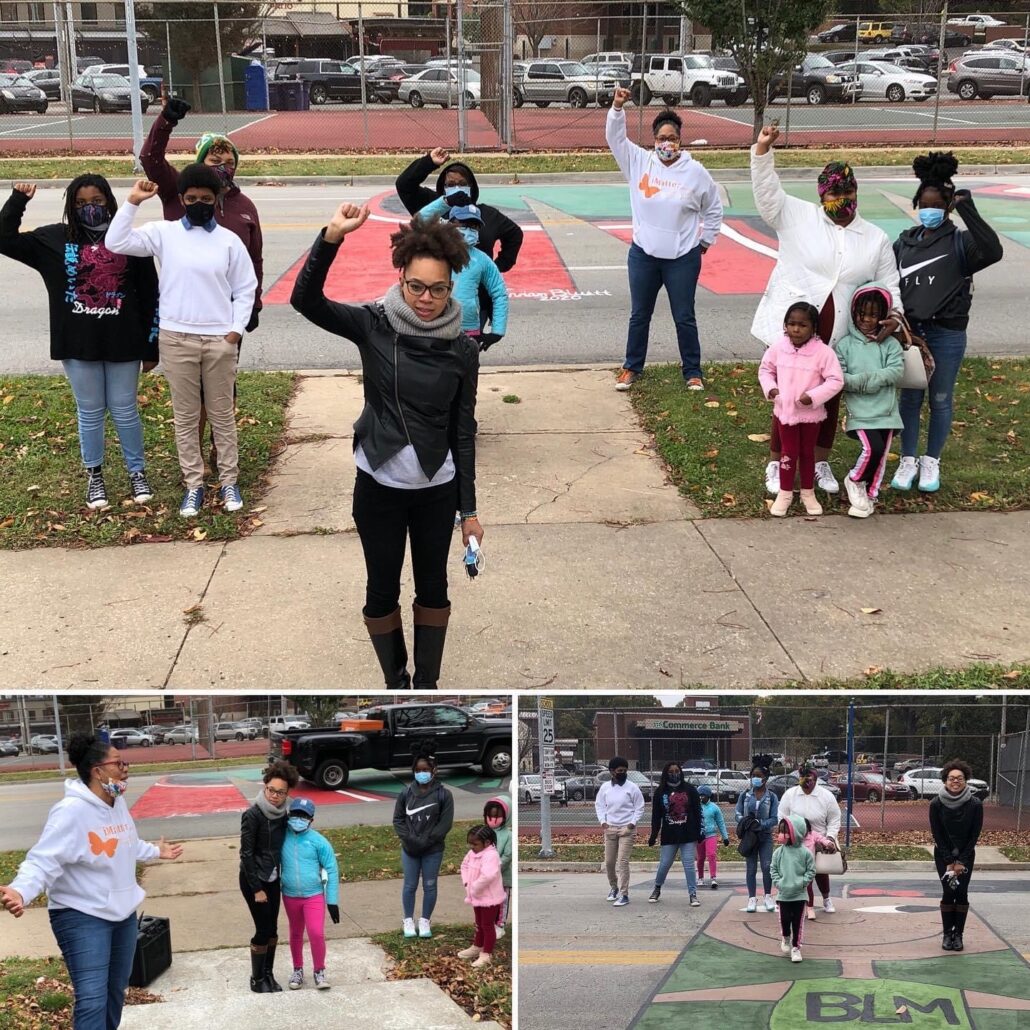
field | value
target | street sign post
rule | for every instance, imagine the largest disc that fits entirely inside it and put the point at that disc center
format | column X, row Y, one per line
column 545, row 748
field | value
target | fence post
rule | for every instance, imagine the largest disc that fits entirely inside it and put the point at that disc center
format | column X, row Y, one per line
column 170, row 84
column 851, row 767
column 943, row 52
column 462, row 117
column 60, row 737
column 886, row 775
column 134, row 100
column 1022, row 771
column 221, row 71
column 60, row 46
column 364, row 73
column 73, row 57
column 643, row 73
column 508, row 76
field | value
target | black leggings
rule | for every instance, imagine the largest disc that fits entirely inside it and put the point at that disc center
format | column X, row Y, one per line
column 265, row 914
column 385, row 518
column 792, row 921
column 954, row 901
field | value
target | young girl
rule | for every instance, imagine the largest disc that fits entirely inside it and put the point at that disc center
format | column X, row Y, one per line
column 495, row 815
column 793, row 869
column 799, row 373
column 484, row 891
column 815, row 841
column 310, row 885
column 713, row 826
column 872, row 372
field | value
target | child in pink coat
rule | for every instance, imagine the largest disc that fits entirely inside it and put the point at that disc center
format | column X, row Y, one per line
column 813, row 839
column 484, row 891
column 799, row 374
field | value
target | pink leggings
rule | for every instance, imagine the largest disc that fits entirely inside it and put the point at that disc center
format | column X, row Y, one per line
column 306, row 914
column 707, row 848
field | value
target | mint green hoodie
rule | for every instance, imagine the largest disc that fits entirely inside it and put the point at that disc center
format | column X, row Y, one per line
column 871, row 370
column 503, row 836
column 793, row 865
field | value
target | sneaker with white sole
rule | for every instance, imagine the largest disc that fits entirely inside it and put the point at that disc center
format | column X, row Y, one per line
column 498, row 932
column 715, row 885
column 700, row 882
column 752, row 905
column 861, row 506
column 695, row 383
column 929, row 474
column 232, row 499
column 785, row 945
column 296, row 980
column 795, row 954
column 424, row 929
column 192, row 502
column 613, row 894
column 409, row 928
column 825, row 479
column 908, row 469
column 828, row 905
column 141, row 491
column 770, row 905
column 321, row 980
column 694, row 903
column 626, row 378
column 96, row 491
column 772, row 477
column 623, row 900
column 655, row 896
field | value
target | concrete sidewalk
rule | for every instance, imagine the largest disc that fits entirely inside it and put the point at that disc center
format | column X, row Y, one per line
column 599, row 574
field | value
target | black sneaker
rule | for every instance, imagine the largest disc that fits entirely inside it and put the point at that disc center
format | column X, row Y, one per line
column 656, row 895
column 946, row 944
column 96, row 492
column 956, row 942
column 141, row 492
column 715, row 885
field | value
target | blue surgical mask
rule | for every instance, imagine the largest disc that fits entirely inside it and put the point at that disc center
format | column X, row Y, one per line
column 931, row 217
column 470, row 236
column 298, row 823
column 423, row 777
column 756, row 781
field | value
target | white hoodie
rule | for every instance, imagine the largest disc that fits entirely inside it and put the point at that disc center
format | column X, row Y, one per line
column 675, row 207
column 86, row 857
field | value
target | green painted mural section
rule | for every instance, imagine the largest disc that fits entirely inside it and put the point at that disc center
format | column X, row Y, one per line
column 995, row 972
column 712, row 1015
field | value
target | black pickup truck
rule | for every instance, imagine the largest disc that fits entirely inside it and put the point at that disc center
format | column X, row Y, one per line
column 453, row 736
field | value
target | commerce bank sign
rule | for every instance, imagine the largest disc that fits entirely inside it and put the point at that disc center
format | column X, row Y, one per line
column 693, row 724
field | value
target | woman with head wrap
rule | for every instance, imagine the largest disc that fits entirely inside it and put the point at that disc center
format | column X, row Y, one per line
column 826, row 251
column 936, row 262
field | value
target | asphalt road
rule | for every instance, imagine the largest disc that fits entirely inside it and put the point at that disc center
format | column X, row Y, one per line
column 370, row 801
column 636, row 945
column 570, row 296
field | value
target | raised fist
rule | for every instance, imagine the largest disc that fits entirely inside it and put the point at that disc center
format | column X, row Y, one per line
column 28, row 188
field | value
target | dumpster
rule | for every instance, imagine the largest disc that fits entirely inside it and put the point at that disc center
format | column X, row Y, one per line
column 290, row 94
column 255, row 87
column 276, row 99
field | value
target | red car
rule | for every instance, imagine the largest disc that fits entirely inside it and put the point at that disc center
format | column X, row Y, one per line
column 869, row 786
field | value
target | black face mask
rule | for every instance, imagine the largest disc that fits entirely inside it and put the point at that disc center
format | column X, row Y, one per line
column 199, row 212
column 674, row 781
column 620, row 778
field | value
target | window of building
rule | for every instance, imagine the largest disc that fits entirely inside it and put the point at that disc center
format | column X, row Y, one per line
column 88, row 12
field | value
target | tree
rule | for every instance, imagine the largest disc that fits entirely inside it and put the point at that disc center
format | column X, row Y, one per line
column 535, row 19
column 321, row 709
column 191, row 27
column 766, row 37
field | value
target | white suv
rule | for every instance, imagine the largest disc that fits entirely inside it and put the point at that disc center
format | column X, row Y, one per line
column 926, row 783
column 678, row 77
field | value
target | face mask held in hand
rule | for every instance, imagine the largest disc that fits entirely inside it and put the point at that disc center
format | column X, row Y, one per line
column 457, row 196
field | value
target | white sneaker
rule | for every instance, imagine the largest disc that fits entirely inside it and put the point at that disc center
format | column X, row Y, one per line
column 752, row 905
column 785, row 945
column 772, row 477
column 424, row 929
column 825, row 479
column 861, row 506
column 907, row 470
column 929, row 474
column 795, row 954
column 811, row 912
column 498, row 932
column 770, row 905
column 409, row 928
column 296, row 980
column 828, row 905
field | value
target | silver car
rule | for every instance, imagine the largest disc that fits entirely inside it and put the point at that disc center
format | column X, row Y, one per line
column 889, row 82
column 439, row 85
column 986, row 75
column 234, row 731
column 563, row 82
column 182, row 735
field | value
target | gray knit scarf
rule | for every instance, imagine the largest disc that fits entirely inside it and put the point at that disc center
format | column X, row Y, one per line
column 954, row 800
column 403, row 319
column 269, row 810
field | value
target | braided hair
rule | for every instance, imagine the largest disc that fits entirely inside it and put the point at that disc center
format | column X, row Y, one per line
column 935, row 171
column 73, row 228
column 482, row 833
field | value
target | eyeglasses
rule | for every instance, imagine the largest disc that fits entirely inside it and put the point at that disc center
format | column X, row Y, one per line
column 956, row 779
column 272, row 792
column 437, row 291
column 118, row 762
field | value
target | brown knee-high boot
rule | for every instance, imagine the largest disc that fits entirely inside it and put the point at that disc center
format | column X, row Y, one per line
column 270, row 981
column 430, row 635
column 258, row 983
column 387, row 636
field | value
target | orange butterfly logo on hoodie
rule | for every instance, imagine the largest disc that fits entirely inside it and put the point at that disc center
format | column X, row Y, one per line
column 99, row 846
column 646, row 188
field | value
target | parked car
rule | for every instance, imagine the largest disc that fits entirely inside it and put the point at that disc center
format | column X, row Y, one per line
column 46, row 79
column 875, row 31
column 260, row 726
column 20, row 94
column 818, row 81
column 726, row 784
column 608, row 59
column 182, row 735
column 779, row 784
column 100, row 93
column 156, row 733
column 439, row 85
column 1010, row 46
column 842, row 33
column 582, row 788
column 645, row 783
column 9, row 749
column 674, row 77
column 870, row 786
column 386, row 80
column 562, row 82
column 278, row 723
column 931, row 34
column 902, row 57
column 926, row 782
column 888, row 82
column 976, row 20
column 530, row 790
column 131, row 737
column 327, row 80
column 149, row 82
column 987, row 75
column 43, row 744
column 234, row 731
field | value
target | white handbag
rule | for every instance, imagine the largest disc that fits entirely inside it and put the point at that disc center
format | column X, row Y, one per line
column 832, row 863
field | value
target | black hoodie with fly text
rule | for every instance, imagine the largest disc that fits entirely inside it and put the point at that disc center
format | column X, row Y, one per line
column 423, row 816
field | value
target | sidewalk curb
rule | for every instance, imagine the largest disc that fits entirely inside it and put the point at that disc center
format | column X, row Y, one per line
column 542, row 866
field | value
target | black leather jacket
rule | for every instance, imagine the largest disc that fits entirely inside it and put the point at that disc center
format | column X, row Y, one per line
column 261, row 844
column 418, row 390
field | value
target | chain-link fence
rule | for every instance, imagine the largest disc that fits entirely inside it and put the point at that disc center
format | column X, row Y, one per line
column 896, row 751
column 513, row 75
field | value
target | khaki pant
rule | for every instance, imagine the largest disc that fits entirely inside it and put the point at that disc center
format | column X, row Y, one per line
column 618, row 845
column 189, row 359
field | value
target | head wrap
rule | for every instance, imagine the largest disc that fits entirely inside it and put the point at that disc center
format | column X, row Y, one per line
column 805, row 768
column 209, row 139
column 837, row 177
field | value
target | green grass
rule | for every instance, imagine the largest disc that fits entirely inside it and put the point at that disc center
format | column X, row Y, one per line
column 9, row 862
column 704, row 439
column 42, row 485
column 269, row 166
column 975, row 677
column 141, row 769
column 20, row 993
column 1016, row 853
column 642, row 853
column 372, row 852
column 483, row 993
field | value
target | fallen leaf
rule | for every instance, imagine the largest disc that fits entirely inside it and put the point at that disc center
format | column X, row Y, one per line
column 192, row 608
column 256, row 523
column 8, row 398
column 872, row 670
column 711, row 454
column 199, row 534
column 258, row 511
column 729, row 500
column 901, row 1011
column 872, row 611
column 758, row 437
column 1013, row 675
column 980, row 496
column 31, row 489
column 59, row 527
column 6, row 523
column 711, row 404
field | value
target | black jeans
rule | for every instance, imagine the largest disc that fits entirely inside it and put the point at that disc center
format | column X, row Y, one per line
column 386, row 517
column 960, row 895
column 265, row 914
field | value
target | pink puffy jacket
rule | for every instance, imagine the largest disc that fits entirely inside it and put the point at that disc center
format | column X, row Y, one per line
column 481, row 874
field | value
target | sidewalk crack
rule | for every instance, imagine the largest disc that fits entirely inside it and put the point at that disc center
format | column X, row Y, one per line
column 197, row 603
column 696, row 525
column 568, row 486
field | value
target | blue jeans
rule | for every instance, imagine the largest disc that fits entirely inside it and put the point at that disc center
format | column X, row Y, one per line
column 763, row 854
column 948, row 346
column 99, row 956
column 647, row 275
column 688, row 858
column 428, row 867
column 99, row 387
